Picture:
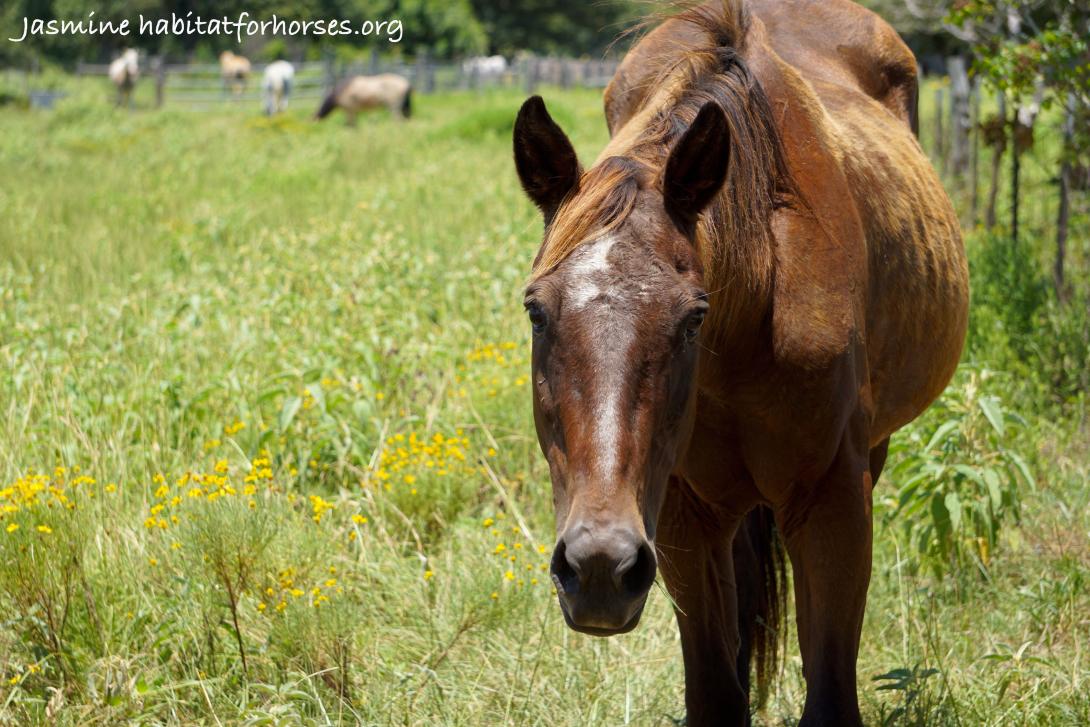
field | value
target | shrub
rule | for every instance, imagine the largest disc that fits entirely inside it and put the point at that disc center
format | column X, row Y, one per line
column 958, row 477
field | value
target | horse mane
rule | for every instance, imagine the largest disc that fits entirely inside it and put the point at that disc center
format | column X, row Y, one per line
column 733, row 235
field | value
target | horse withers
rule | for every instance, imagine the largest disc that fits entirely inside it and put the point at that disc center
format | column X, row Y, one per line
column 360, row 93
column 759, row 280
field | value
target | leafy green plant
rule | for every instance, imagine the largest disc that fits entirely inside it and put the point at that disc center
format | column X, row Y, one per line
column 915, row 691
column 959, row 480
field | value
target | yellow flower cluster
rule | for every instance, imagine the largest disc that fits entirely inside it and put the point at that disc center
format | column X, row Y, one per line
column 277, row 595
column 35, row 492
column 406, row 458
column 206, row 487
column 319, row 507
column 520, row 564
column 499, row 353
column 17, row 679
column 232, row 429
column 505, row 356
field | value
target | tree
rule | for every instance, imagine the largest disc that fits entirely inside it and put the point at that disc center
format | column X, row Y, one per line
column 1041, row 60
column 574, row 27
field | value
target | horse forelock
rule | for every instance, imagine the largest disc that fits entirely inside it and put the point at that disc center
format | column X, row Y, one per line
column 733, row 234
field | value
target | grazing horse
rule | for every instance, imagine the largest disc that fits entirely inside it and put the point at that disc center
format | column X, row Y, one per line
column 235, row 70
column 277, row 85
column 360, row 93
column 123, row 72
column 758, row 281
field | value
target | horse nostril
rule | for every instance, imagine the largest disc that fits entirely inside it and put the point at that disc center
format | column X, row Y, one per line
column 640, row 574
column 565, row 576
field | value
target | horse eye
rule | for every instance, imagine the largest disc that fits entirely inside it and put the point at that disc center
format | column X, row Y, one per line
column 537, row 318
column 692, row 325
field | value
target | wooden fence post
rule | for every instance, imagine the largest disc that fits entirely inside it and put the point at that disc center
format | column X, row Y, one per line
column 960, row 123
column 998, row 145
column 531, row 75
column 420, row 77
column 1063, row 213
column 939, row 146
column 974, row 156
column 330, row 74
column 160, row 80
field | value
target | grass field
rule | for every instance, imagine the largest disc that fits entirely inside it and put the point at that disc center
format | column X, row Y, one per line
column 267, row 455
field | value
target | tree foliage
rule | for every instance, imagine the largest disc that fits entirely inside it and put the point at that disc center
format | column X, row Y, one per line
column 1023, row 45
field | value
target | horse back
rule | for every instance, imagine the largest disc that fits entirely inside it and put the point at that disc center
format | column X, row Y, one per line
column 835, row 41
column 839, row 42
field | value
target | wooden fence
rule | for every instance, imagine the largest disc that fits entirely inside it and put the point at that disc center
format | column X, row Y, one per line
column 979, row 144
column 199, row 86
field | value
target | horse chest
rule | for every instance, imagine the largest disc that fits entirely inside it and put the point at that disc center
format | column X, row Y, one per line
column 752, row 443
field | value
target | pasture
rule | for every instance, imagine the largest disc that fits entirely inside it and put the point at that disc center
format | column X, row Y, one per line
column 267, row 452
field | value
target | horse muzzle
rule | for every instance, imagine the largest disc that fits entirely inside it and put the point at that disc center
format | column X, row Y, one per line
column 602, row 576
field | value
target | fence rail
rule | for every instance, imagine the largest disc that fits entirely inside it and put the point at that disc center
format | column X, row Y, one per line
column 199, row 85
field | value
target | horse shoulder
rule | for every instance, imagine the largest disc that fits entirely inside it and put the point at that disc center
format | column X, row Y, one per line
column 819, row 248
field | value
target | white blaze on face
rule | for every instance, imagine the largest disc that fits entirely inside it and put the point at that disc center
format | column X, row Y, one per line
column 589, row 266
column 588, row 293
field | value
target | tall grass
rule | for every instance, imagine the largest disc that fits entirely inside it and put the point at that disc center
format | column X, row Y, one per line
column 267, row 441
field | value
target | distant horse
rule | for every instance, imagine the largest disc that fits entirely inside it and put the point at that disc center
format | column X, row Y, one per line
column 235, row 71
column 758, row 281
column 277, row 85
column 124, row 71
column 485, row 68
column 367, row 92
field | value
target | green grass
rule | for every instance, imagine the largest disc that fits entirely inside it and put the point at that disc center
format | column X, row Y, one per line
column 165, row 276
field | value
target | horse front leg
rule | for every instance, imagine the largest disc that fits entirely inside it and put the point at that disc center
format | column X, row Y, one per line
column 827, row 529
column 697, row 566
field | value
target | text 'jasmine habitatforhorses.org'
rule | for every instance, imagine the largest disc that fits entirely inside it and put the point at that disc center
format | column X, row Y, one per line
column 244, row 25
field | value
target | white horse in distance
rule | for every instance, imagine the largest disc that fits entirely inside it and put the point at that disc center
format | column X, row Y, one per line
column 277, row 86
column 123, row 73
column 485, row 68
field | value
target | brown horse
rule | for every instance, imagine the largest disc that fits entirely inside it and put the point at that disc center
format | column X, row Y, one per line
column 758, row 282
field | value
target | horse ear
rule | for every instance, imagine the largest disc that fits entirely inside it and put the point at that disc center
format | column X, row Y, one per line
column 545, row 159
column 697, row 165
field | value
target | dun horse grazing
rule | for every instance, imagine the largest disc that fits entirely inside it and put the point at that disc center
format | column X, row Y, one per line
column 360, row 93
column 123, row 73
column 758, row 281
column 277, row 85
column 235, row 71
